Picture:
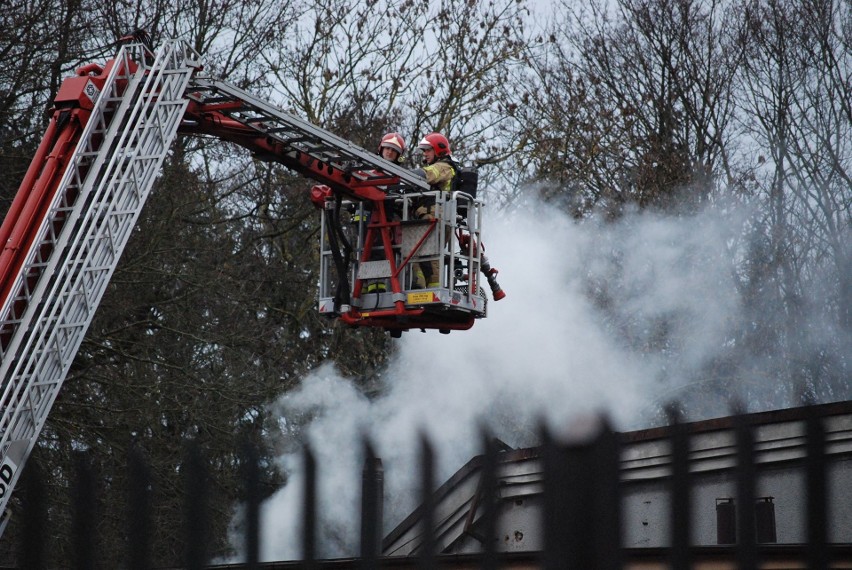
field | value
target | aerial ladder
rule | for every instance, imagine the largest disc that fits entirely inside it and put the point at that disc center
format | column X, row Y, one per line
column 354, row 179
column 111, row 129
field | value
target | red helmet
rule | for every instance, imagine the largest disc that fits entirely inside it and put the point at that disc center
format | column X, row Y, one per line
column 437, row 142
column 394, row 141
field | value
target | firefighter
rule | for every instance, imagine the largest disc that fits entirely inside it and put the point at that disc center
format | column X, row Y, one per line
column 439, row 170
column 392, row 147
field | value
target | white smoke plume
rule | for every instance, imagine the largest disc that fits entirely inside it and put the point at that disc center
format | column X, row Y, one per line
column 544, row 351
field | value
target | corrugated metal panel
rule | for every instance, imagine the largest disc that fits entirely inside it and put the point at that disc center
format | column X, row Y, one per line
column 779, row 442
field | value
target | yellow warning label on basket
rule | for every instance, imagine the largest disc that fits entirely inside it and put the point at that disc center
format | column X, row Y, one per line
column 420, row 297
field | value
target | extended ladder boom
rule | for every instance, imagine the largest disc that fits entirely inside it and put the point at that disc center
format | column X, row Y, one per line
column 221, row 110
column 82, row 199
column 376, row 185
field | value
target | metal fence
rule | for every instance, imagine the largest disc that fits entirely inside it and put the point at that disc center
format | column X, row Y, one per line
column 581, row 497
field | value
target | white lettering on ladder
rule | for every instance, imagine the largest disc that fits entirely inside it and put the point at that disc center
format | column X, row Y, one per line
column 7, row 470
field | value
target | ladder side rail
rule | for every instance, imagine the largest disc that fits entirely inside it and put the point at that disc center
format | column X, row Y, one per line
column 39, row 246
column 451, row 251
column 45, row 403
column 69, row 323
column 97, row 214
column 120, row 198
column 98, row 256
column 81, row 204
column 444, row 211
column 72, row 176
column 325, row 285
column 116, row 128
column 14, row 451
column 364, row 159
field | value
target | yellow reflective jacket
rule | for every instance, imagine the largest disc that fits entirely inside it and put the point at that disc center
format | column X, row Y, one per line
column 440, row 175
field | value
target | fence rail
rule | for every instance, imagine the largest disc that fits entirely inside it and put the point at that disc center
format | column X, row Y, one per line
column 581, row 496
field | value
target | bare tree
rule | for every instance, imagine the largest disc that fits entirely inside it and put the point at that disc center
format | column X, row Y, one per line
column 667, row 104
column 796, row 79
column 229, row 34
column 415, row 66
column 648, row 91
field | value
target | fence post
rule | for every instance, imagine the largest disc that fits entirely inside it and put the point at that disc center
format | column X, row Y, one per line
column 83, row 523
column 554, row 497
column 582, row 501
column 309, row 509
column 33, row 518
column 817, row 504
column 195, row 485
column 372, row 497
column 680, row 517
column 746, row 536
column 489, row 502
column 251, row 480
column 605, row 491
column 138, row 511
column 426, row 554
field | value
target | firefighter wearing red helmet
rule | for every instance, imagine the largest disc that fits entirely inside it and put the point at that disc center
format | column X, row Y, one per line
column 439, row 170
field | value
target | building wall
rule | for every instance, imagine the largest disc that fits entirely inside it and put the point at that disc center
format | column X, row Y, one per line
column 645, row 508
column 780, row 455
